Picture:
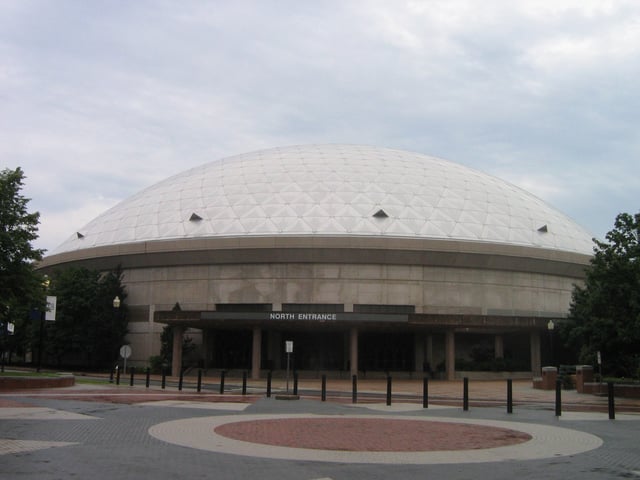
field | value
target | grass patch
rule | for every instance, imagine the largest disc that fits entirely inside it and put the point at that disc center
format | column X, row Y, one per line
column 27, row 374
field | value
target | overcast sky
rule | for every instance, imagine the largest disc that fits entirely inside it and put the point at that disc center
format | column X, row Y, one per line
column 100, row 99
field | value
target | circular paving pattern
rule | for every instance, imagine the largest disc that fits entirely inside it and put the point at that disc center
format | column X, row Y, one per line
column 205, row 433
column 370, row 434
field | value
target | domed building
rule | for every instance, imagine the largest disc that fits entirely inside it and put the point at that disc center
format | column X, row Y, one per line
column 368, row 259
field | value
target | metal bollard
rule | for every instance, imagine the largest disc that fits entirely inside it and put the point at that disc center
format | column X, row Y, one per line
column 180, row 379
column 389, row 390
column 323, row 394
column 148, row 377
column 269, row 384
column 354, row 389
column 465, row 394
column 612, row 407
column 199, row 386
column 164, row 378
column 558, row 398
column 133, row 370
column 295, row 383
column 117, row 375
column 509, row 396
column 222, row 375
column 244, row 383
column 425, row 392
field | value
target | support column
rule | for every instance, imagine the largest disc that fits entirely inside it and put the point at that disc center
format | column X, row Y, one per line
column 205, row 349
column 419, row 352
column 536, row 359
column 499, row 346
column 353, row 351
column 429, row 354
column 176, row 363
column 450, row 354
column 275, row 343
column 256, row 353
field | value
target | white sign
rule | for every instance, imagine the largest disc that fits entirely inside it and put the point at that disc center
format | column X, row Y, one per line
column 10, row 328
column 125, row 351
column 288, row 346
column 51, row 309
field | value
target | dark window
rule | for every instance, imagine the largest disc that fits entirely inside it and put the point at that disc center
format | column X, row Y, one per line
column 244, row 307
column 313, row 307
column 364, row 308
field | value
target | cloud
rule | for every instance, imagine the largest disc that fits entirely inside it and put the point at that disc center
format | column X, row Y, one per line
column 103, row 99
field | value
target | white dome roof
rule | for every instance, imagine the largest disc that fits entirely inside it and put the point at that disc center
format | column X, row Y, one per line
column 334, row 190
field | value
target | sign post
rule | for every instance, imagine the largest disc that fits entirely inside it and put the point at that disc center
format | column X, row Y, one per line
column 289, row 350
column 125, row 352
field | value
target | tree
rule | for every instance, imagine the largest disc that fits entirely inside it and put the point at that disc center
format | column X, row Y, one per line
column 605, row 311
column 20, row 284
column 88, row 330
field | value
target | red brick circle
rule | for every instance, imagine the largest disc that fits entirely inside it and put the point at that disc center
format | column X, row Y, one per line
column 370, row 434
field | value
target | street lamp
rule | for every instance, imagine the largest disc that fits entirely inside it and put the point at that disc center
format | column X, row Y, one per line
column 116, row 302
column 551, row 326
column 43, row 314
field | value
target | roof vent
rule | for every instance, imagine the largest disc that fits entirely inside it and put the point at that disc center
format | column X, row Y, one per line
column 79, row 235
column 380, row 214
column 195, row 217
column 543, row 229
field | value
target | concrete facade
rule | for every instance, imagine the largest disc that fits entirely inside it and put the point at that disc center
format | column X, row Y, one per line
column 371, row 260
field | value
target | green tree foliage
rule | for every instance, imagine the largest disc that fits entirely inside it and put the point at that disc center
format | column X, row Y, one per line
column 20, row 284
column 605, row 312
column 88, row 330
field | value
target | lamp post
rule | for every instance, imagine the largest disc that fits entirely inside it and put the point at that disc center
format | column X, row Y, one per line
column 116, row 311
column 550, row 327
column 45, row 285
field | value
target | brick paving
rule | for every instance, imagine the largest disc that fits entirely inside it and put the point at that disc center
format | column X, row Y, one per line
column 371, row 434
column 135, row 432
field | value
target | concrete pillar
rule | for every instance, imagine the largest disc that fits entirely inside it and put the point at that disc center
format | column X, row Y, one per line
column 256, row 353
column 450, row 354
column 153, row 348
column 178, row 338
column 499, row 346
column 205, row 348
column 275, row 350
column 419, row 352
column 353, row 350
column 429, row 353
column 536, row 362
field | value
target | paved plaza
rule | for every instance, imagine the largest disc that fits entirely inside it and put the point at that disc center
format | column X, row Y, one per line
column 103, row 431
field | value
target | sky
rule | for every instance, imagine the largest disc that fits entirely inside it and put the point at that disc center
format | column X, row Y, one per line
column 100, row 99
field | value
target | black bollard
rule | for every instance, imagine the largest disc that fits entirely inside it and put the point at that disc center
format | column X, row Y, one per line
column 164, row 378
column 244, row 383
column 389, row 390
column 612, row 407
column 269, row 384
column 509, row 396
column 222, row 374
column 133, row 369
column 117, row 375
column 148, row 378
column 323, row 394
column 180, row 379
column 199, row 386
column 465, row 394
column 425, row 392
column 295, row 383
column 354, row 389
column 558, row 398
